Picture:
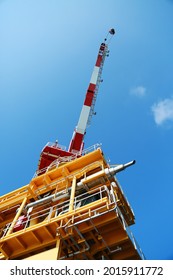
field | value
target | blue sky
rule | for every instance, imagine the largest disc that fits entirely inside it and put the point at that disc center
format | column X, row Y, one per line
column 47, row 53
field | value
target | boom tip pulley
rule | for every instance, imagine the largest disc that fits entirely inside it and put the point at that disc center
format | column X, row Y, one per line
column 109, row 35
column 112, row 31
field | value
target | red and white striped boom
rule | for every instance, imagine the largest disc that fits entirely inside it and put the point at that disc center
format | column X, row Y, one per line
column 77, row 142
column 53, row 151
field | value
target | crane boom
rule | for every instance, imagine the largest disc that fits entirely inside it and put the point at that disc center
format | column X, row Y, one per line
column 53, row 151
column 77, row 143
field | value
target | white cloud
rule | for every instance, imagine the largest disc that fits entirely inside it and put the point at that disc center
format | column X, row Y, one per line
column 163, row 111
column 138, row 91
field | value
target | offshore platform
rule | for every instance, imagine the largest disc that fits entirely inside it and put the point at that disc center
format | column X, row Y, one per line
column 74, row 207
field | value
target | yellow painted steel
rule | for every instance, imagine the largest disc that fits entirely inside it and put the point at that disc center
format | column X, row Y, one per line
column 66, row 221
column 17, row 216
column 73, row 189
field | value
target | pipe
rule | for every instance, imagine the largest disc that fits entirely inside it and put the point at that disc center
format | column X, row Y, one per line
column 113, row 170
column 110, row 172
column 66, row 195
column 53, row 197
column 107, row 171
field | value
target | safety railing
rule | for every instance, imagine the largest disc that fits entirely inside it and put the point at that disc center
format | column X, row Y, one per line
column 77, row 174
column 130, row 234
column 91, row 148
column 55, row 164
column 48, row 212
column 120, row 187
column 55, row 144
column 65, row 159
column 12, row 195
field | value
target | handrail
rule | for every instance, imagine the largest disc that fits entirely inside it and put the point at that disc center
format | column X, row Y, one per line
column 91, row 148
column 55, row 163
column 130, row 234
column 70, row 176
column 55, row 144
column 120, row 187
column 51, row 212
column 59, row 209
column 11, row 195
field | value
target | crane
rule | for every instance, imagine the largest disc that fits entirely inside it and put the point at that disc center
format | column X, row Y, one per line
column 53, row 151
column 76, row 209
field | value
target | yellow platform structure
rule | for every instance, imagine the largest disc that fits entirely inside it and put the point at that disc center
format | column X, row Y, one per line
column 75, row 210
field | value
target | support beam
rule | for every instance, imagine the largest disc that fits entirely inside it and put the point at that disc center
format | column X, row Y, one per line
column 18, row 214
column 58, row 247
column 5, row 251
column 73, row 189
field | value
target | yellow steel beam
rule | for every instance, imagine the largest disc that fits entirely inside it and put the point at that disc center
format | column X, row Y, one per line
column 17, row 216
column 59, row 247
column 73, row 189
column 60, row 176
